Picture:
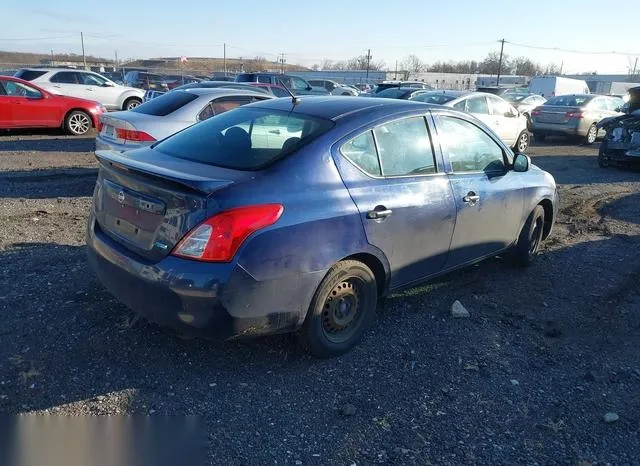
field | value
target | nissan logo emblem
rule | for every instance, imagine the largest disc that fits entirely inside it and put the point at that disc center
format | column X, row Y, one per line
column 121, row 197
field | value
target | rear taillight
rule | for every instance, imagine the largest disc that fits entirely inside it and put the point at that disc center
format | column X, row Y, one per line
column 576, row 115
column 536, row 112
column 133, row 135
column 218, row 238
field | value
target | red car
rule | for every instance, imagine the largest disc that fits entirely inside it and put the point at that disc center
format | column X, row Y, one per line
column 24, row 105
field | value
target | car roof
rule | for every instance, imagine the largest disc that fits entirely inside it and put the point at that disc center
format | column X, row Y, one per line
column 221, row 91
column 48, row 69
column 337, row 107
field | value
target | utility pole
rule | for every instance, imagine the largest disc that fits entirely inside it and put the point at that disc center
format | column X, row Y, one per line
column 282, row 61
column 224, row 53
column 115, row 63
column 52, row 63
column 500, row 63
column 84, row 60
column 396, row 74
column 635, row 67
column 561, row 67
column 368, row 62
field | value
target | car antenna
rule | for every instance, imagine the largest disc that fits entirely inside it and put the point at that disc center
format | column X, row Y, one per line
column 294, row 99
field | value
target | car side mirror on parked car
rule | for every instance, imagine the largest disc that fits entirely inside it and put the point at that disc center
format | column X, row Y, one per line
column 521, row 163
column 107, row 84
column 510, row 114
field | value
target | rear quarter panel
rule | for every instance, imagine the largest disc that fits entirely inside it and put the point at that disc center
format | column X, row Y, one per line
column 319, row 227
column 539, row 186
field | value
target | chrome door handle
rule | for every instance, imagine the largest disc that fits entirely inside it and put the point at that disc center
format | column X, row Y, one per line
column 471, row 198
column 379, row 214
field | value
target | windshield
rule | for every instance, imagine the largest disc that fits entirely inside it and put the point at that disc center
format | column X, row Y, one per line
column 166, row 103
column 433, row 98
column 515, row 98
column 569, row 100
column 245, row 138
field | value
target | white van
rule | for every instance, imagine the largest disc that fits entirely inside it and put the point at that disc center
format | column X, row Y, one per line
column 551, row 86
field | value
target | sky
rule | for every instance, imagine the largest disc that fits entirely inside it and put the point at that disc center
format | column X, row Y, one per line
column 309, row 31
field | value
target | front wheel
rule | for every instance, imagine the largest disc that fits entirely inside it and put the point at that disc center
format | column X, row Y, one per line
column 522, row 143
column 530, row 238
column 77, row 123
column 131, row 103
column 341, row 310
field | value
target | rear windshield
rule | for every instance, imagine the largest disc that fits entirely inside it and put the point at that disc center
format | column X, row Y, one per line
column 515, row 98
column 29, row 75
column 382, row 87
column 393, row 93
column 244, row 139
column 166, row 103
column 433, row 98
column 569, row 100
column 245, row 78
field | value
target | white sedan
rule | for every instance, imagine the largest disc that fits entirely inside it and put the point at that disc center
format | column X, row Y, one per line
column 493, row 111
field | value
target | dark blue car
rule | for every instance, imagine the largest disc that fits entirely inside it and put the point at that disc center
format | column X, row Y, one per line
column 279, row 217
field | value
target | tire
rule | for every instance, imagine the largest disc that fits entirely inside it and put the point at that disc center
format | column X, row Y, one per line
column 78, row 123
column 603, row 160
column 528, row 117
column 522, row 143
column 131, row 103
column 526, row 248
column 592, row 135
column 345, row 93
column 540, row 136
column 342, row 308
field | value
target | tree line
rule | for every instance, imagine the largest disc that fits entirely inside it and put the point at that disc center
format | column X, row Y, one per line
column 413, row 64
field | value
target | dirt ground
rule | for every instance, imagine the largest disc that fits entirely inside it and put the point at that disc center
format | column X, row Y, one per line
column 547, row 352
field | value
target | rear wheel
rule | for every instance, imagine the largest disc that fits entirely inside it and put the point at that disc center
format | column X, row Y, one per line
column 341, row 310
column 523, row 142
column 592, row 135
column 131, row 103
column 77, row 123
column 530, row 238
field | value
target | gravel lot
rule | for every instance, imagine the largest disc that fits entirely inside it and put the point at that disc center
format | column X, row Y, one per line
column 526, row 379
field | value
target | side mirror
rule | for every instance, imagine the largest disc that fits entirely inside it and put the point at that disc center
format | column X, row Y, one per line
column 521, row 163
column 107, row 84
column 510, row 114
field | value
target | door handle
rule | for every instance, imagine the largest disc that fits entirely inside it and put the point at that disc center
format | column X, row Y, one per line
column 471, row 198
column 378, row 214
column 274, row 131
column 88, row 89
column 57, row 87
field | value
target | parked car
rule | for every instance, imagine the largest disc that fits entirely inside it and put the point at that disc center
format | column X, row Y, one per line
column 115, row 76
column 332, row 87
column 621, row 143
column 492, row 110
column 277, row 217
column 168, row 114
column 146, row 81
column 389, row 84
column 495, row 90
column 8, row 72
column 403, row 93
column 175, row 80
column 25, row 105
column 148, row 95
column 524, row 103
column 296, row 85
column 574, row 115
column 552, row 86
column 85, row 85
column 274, row 89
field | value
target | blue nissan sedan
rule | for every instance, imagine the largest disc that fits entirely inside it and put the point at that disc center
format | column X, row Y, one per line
column 285, row 216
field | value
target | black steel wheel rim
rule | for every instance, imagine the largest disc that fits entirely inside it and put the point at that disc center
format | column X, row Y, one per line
column 342, row 310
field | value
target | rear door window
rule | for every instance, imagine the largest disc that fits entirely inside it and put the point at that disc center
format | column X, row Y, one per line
column 166, row 103
column 262, row 78
column 478, row 105
column 405, row 147
column 29, row 75
column 66, row 77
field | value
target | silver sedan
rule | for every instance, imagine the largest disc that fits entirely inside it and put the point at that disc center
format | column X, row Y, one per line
column 168, row 114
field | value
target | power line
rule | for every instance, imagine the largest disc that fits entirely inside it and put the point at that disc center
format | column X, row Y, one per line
column 36, row 38
column 559, row 49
